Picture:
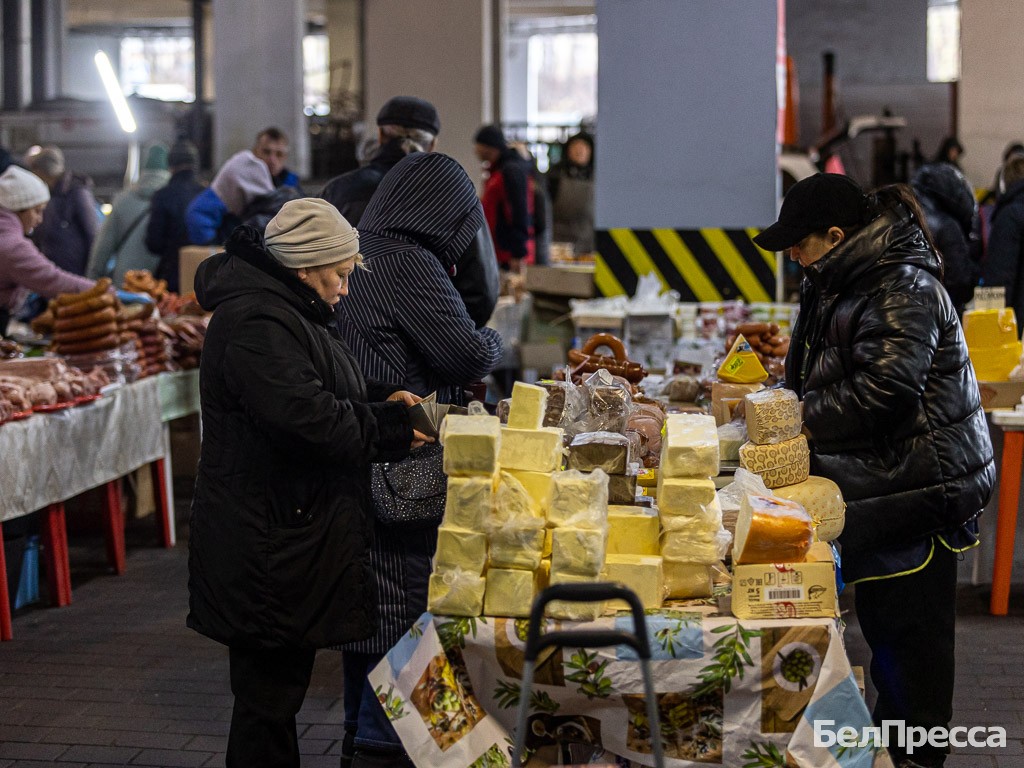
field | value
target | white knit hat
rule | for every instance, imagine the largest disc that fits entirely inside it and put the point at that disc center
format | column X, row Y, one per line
column 21, row 189
column 310, row 232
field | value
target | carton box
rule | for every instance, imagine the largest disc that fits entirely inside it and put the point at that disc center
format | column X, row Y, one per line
column 189, row 259
column 787, row 590
column 574, row 281
column 1000, row 394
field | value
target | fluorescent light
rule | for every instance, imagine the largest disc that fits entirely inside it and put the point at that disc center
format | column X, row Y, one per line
column 114, row 93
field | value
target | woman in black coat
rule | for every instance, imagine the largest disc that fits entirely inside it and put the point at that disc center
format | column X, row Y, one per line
column 278, row 560
column 894, row 417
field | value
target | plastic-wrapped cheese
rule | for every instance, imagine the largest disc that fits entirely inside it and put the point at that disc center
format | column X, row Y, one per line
column 471, row 444
column 685, row 496
column 516, row 544
column 469, row 502
column 771, row 530
column 690, row 446
column 773, row 416
column 701, row 527
column 683, row 547
column 579, row 499
column 609, row 451
column 509, row 592
column 730, row 437
column 538, row 484
column 578, row 550
column 542, row 576
column 533, row 450
column 455, row 593
column 511, row 500
column 641, row 573
column 570, row 611
column 787, row 463
column 621, row 489
column 684, row 581
column 456, row 548
column 824, row 503
column 529, row 404
column 633, row 533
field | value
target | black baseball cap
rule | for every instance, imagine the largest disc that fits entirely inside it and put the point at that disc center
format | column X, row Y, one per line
column 410, row 112
column 812, row 205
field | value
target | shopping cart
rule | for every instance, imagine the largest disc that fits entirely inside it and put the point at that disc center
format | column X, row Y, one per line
column 582, row 638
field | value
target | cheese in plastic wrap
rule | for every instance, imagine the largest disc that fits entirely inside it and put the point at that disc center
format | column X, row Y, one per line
column 529, row 404
column 685, row 548
column 621, row 489
column 685, row 496
column 455, row 593
column 772, row 530
column 532, row 450
column 580, row 499
column 786, row 463
column 516, row 544
column 578, row 550
column 471, row 444
column 741, row 365
column 570, row 611
column 512, row 501
column 686, row 581
column 773, row 416
column 702, row 527
column 641, row 573
column 542, row 576
column 633, row 533
column 824, row 503
column 609, row 451
column 690, row 446
column 469, row 502
column 456, row 548
column 509, row 593
column 538, row 484
column 731, row 437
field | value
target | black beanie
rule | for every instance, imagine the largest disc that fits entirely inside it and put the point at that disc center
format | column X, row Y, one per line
column 491, row 136
column 410, row 112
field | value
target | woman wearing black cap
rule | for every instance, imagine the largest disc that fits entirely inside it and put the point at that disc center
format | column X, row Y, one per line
column 892, row 410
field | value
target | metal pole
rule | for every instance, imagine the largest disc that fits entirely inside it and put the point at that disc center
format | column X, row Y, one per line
column 199, row 53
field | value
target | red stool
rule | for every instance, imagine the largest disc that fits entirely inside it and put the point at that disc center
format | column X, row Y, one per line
column 1012, row 424
column 6, row 633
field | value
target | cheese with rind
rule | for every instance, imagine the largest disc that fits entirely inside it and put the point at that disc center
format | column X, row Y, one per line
column 641, row 573
column 690, row 446
column 787, row 463
column 471, row 444
column 532, row 450
column 509, row 592
column 773, row 416
column 455, row 593
column 529, row 404
column 771, row 530
column 469, row 502
column 621, row 489
column 823, row 501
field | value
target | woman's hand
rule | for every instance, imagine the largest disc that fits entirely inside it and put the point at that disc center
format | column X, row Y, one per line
column 404, row 397
column 419, row 439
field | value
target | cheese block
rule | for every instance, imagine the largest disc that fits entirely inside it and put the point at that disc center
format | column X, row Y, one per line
column 578, row 550
column 741, row 365
column 542, row 576
column 771, row 530
column 773, row 416
column 685, row 548
column 730, row 437
column 726, row 397
column 685, row 496
column 690, row 446
column 469, row 502
column 824, row 503
column 533, row 450
column 455, row 593
column 621, row 489
column 516, row 544
column 457, row 548
column 512, row 502
column 787, row 463
column 641, row 573
column 633, row 533
column 529, row 404
column 561, row 609
column 538, row 484
column 579, row 499
column 702, row 527
column 546, row 551
column 471, row 444
column 609, row 451
column 509, row 593
column 685, row 581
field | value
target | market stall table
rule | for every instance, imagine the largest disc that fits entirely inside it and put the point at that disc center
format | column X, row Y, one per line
column 731, row 692
column 1012, row 424
column 179, row 397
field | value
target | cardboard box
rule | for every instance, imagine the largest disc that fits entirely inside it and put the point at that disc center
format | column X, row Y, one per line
column 1000, row 394
column 189, row 259
column 787, row 590
column 575, row 281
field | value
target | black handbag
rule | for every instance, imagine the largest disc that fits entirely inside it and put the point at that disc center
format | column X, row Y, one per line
column 411, row 492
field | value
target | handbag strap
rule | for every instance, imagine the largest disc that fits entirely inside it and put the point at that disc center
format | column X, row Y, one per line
column 124, row 239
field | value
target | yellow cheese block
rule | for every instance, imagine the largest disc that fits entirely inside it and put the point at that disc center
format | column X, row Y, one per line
column 690, row 446
column 578, row 550
column 457, row 548
column 633, row 533
column 787, row 463
column 469, row 502
column 509, row 593
column 685, row 548
column 561, row 609
column 773, row 416
column 538, row 484
column 533, row 450
column 685, row 497
column 546, row 551
column 641, row 573
column 579, row 499
column 771, row 530
column 516, row 544
column 685, row 581
column 824, row 503
column 455, row 593
column 992, row 342
column 542, row 576
column 529, row 403
column 471, row 444
column 741, row 365
column 512, row 501
column 702, row 527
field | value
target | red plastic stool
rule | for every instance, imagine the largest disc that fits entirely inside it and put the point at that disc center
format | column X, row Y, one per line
column 1012, row 424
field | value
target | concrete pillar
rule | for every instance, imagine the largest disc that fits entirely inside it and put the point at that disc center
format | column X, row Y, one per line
column 344, row 32
column 257, row 69
column 440, row 51
column 49, row 39
column 15, row 59
column 991, row 88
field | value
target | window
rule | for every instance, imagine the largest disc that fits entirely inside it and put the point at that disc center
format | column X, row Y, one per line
column 943, row 41
column 158, row 67
column 562, row 86
column 316, row 75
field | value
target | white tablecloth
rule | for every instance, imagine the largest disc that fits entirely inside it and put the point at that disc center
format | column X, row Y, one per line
column 52, row 457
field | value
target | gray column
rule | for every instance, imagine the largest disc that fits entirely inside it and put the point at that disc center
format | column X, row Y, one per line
column 257, row 69
column 15, row 24
column 49, row 39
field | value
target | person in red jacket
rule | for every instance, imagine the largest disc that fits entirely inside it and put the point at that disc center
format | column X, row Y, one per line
column 507, row 199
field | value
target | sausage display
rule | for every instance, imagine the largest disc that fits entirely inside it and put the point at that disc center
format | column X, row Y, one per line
column 586, row 361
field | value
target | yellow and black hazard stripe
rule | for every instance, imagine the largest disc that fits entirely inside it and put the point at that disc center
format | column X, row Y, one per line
column 701, row 264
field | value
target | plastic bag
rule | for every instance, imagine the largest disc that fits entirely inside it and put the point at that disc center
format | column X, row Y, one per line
column 516, row 543
column 579, row 499
column 456, row 593
column 608, row 404
column 609, row 451
column 772, row 530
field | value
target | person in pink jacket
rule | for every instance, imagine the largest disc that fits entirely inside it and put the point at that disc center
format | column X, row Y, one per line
column 23, row 268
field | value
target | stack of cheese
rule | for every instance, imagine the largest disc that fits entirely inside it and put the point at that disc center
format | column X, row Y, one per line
column 612, row 453
column 691, row 515
column 777, row 451
column 634, row 552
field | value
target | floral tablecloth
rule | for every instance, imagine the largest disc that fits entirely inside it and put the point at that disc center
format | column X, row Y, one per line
column 730, row 692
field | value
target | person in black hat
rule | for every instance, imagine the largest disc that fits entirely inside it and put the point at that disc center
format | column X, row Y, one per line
column 404, row 124
column 893, row 416
column 508, row 199
column 166, row 233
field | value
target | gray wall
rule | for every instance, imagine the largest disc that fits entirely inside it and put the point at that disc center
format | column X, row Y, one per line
column 686, row 129
column 81, row 78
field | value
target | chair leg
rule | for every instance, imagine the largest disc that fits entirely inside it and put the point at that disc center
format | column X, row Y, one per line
column 6, row 633
column 165, row 515
column 1006, row 526
column 58, row 567
column 114, row 520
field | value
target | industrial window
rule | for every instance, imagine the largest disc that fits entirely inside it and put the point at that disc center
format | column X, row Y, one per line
column 943, row 41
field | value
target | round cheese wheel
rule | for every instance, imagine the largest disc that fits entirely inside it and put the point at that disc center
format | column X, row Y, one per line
column 771, row 530
column 787, row 463
column 824, row 503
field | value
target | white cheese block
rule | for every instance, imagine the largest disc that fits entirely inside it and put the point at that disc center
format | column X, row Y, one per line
column 516, row 544
column 684, row 581
column 456, row 548
column 529, row 403
column 512, row 501
column 533, row 450
column 538, row 484
column 690, row 446
column 570, row 611
column 824, row 503
column 771, row 530
column 699, row 527
column 787, row 463
column 455, row 593
column 641, row 573
column 578, row 550
column 509, row 592
column 685, row 548
column 773, row 416
column 685, row 497
column 469, row 502
column 579, row 499
column 471, row 444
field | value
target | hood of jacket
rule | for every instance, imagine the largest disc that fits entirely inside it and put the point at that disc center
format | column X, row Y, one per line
column 240, row 180
column 149, row 182
column 948, row 189
column 425, row 201
column 892, row 239
column 1013, row 194
column 245, row 269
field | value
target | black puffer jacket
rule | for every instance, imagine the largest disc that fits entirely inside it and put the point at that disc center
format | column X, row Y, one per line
column 1004, row 264
column 280, row 519
column 890, row 398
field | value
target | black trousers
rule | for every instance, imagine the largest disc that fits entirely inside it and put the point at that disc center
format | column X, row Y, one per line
column 269, row 687
column 909, row 623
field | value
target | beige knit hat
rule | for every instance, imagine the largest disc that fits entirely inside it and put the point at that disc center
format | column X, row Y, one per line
column 310, row 232
column 21, row 189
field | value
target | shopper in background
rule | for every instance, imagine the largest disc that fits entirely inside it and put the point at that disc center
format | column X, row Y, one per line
column 23, row 268
column 571, row 184
column 1014, row 149
column 121, row 243
column 222, row 206
column 72, row 215
column 404, row 124
column 271, row 147
column 166, row 233
column 949, row 151
column 5, row 159
column 951, row 214
column 1004, row 263
column 893, row 415
column 278, row 563
column 407, row 325
column 507, row 199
